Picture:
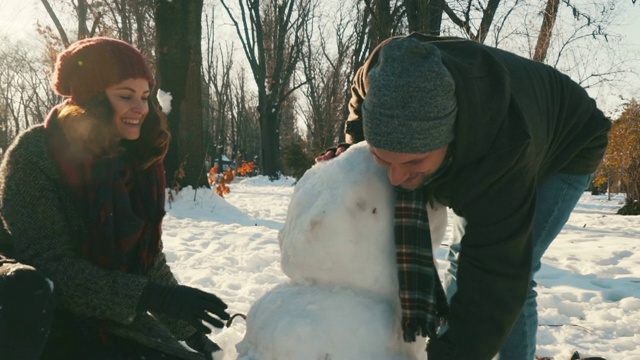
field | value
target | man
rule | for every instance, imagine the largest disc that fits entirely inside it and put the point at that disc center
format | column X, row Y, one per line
column 508, row 144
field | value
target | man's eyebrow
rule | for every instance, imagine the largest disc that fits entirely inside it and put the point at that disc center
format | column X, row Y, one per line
column 411, row 162
column 376, row 156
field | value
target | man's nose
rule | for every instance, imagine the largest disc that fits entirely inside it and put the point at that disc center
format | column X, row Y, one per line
column 396, row 175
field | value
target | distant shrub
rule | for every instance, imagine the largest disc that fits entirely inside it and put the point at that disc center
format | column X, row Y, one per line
column 295, row 160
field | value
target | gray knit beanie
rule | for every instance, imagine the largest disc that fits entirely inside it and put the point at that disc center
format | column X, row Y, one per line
column 410, row 106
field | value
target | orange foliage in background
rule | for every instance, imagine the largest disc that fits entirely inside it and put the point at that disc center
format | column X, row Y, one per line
column 223, row 180
column 619, row 171
column 246, row 168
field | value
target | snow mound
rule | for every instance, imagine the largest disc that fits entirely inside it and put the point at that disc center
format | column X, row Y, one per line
column 204, row 204
column 314, row 322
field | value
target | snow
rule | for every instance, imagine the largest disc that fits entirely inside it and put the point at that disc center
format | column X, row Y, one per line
column 589, row 284
column 164, row 100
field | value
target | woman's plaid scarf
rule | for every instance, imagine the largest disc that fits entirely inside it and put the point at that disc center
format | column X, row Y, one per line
column 422, row 298
column 123, row 204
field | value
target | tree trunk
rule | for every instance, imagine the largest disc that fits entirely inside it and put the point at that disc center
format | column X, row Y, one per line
column 82, row 10
column 424, row 16
column 270, row 139
column 381, row 21
column 63, row 34
column 546, row 30
column 179, row 59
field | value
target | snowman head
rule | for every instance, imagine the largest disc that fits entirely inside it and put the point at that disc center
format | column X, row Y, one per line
column 339, row 225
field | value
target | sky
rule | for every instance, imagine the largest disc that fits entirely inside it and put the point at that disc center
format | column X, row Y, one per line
column 237, row 247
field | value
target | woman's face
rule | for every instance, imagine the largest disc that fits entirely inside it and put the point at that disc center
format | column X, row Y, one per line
column 129, row 101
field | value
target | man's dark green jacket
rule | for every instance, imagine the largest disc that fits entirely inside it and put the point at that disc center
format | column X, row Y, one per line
column 518, row 121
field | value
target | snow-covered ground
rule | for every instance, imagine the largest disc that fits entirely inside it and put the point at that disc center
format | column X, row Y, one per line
column 589, row 285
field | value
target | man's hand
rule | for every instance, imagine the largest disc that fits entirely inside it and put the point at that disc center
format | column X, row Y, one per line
column 330, row 153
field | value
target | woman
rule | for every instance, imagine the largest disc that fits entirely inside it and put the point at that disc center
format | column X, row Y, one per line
column 82, row 198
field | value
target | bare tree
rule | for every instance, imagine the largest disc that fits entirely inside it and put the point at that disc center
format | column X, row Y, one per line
column 424, row 16
column 25, row 91
column 584, row 46
column 246, row 120
column 271, row 36
column 574, row 37
column 386, row 19
column 129, row 20
column 85, row 12
column 327, row 73
column 464, row 12
column 218, row 71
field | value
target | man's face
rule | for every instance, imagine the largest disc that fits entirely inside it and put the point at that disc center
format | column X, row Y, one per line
column 409, row 170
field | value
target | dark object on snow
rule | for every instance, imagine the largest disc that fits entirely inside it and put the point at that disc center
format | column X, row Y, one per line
column 26, row 310
column 230, row 321
column 576, row 356
column 631, row 207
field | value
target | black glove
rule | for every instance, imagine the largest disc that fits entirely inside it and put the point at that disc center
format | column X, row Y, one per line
column 185, row 303
column 202, row 344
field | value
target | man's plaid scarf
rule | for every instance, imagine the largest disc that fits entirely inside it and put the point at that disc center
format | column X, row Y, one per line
column 422, row 297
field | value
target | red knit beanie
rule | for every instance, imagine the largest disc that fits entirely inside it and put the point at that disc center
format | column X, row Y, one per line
column 89, row 66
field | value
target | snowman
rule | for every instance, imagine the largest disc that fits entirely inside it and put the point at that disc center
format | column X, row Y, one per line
column 337, row 248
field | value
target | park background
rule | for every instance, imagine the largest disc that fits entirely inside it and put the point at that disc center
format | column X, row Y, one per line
column 282, row 100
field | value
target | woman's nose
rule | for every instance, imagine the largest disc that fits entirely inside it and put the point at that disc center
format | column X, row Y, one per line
column 140, row 106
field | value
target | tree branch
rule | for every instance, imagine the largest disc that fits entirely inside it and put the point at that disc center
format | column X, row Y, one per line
column 56, row 22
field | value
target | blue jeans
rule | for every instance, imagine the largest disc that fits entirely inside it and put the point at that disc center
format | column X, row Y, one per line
column 556, row 198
